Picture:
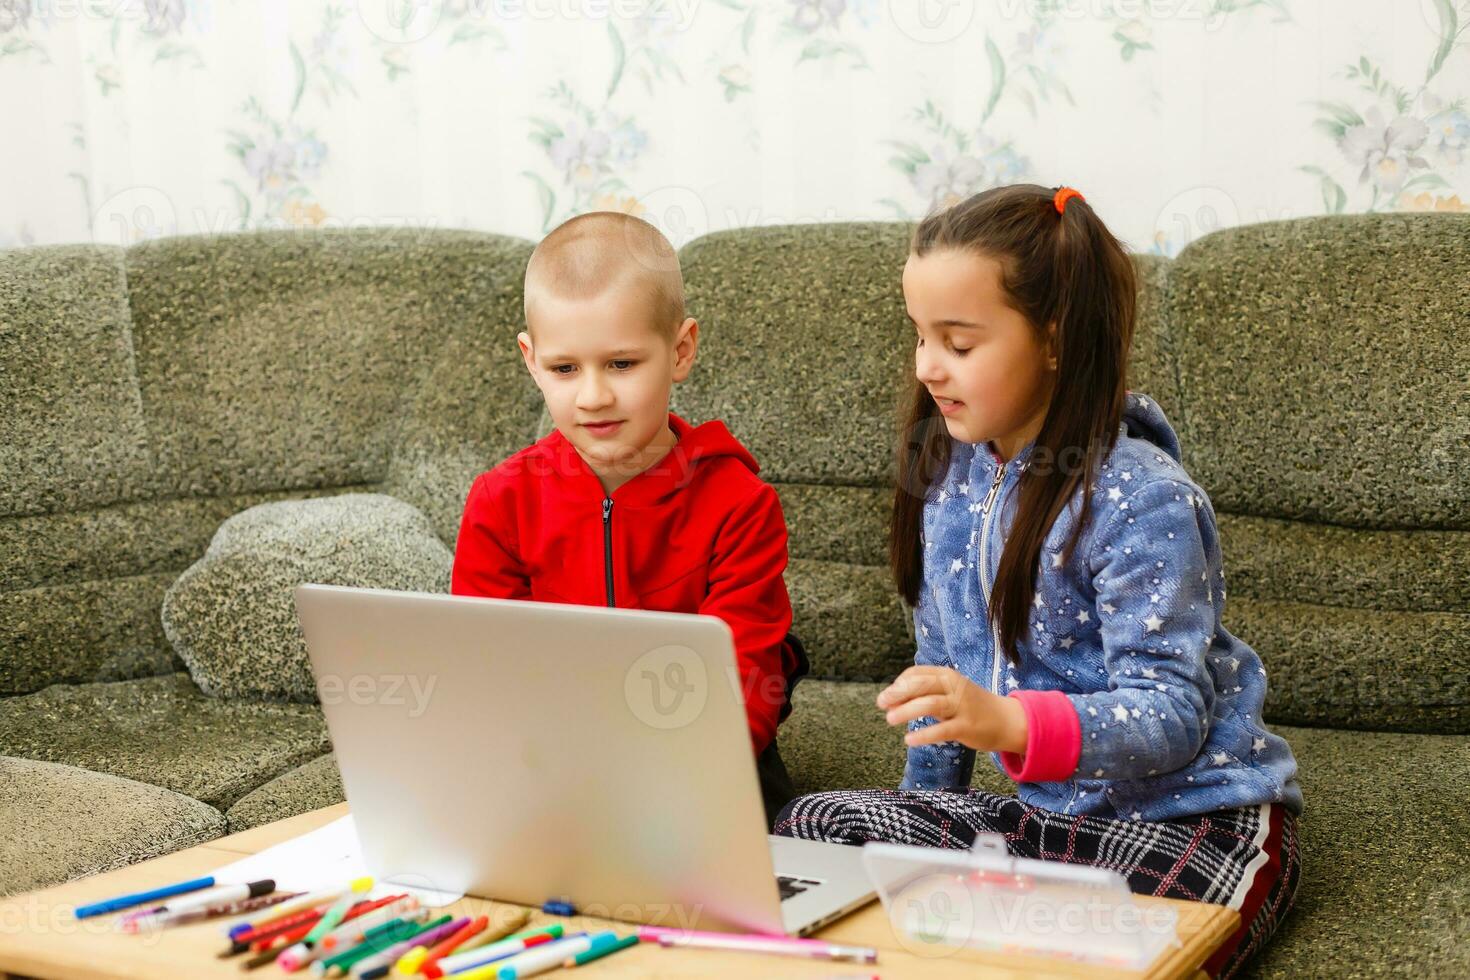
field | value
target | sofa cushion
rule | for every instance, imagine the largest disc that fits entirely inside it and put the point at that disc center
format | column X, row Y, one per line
column 850, row 620
column 231, row 616
column 163, row 731
column 1384, row 888
column 1323, row 368
column 1358, row 628
column 803, row 346
column 312, row 786
column 836, row 738
column 1359, row 668
column 84, row 631
column 1384, row 828
column 59, row 822
column 473, row 403
column 282, row 359
column 1152, row 358
column 72, row 430
column 1324, row 379
column 846, row 524
column 80, row 590
column 1385, row 570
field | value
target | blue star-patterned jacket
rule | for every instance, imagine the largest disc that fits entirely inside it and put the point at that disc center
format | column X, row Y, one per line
column 1169, row 702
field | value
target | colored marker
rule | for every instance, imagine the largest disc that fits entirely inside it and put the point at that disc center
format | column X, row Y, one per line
column 378, row 966
column 452, row 942
column 159, row 920
column 386, row 936
column 538, row 960
column 506, row 929
column 499, row 950
column 334, row 915
column 260, row 959
column 304, row 951
column 426, row 953
column 138, row 898
column 305, row 903
column 381, row 960
column 297, row 931
column 221, row 895
column 269, row 948
column 569, row 945
column 601, row 946
column 408, row 964
column 425, row 941
column 258, row 940
column 756, row 943
column 353, row 930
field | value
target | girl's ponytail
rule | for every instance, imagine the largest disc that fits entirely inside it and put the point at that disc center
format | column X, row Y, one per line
column 1060, row 265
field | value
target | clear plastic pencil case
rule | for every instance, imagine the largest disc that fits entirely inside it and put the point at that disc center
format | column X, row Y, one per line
column 941, row 901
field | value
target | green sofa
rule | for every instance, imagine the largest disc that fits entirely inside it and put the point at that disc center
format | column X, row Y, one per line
column 1318, row 371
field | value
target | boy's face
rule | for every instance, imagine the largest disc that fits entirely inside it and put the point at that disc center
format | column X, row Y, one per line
column 606, row 373
column 979, row 357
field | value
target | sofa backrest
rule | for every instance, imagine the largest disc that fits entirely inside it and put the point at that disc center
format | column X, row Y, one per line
column 148, row 393
column 1324, row 370
column 77, row 597
column 1324, row 404
column 71, row 422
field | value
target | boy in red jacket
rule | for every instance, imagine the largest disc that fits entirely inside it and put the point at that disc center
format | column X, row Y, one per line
column 625, row 504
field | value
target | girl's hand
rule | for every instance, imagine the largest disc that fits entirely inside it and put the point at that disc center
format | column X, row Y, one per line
column 964, row 711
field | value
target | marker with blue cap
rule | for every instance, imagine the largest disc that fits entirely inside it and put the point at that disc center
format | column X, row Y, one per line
column 138, row 898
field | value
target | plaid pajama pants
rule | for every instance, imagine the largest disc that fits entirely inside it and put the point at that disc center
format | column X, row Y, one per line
column 1244, row 858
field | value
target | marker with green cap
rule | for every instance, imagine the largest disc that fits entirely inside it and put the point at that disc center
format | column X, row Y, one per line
column 381, row 939
column 379, row 964
column 602, row 946
column 302, row 953
column 334, row 915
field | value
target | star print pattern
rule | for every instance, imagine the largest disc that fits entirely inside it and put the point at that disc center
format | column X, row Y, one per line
column 1128, row 626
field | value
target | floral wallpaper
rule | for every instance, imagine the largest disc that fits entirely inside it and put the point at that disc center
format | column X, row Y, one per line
column 128, row 119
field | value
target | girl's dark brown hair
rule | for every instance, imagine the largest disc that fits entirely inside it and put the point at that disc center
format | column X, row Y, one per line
column 1066, row 269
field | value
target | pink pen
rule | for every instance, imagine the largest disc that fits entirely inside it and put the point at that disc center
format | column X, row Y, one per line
column 758, row 943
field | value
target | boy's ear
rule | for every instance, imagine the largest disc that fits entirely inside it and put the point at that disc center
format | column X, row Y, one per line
column 686, row 345
column 528, row 354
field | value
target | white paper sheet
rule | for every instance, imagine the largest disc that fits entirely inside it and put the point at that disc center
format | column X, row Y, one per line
column 327, row 857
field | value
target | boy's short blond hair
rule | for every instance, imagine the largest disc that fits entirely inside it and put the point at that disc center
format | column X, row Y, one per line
column 592, row 253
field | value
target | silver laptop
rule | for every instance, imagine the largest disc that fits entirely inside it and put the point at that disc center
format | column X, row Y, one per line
column 529, row 751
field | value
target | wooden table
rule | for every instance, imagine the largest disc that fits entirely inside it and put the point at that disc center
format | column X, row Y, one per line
column 39, row 936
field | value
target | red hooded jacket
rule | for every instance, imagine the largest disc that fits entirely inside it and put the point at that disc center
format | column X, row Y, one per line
column 698, row 532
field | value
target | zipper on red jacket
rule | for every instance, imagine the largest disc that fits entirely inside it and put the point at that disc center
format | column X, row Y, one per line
column 607, row 547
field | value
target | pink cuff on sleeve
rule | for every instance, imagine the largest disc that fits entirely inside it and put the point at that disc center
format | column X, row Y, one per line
column 1053, row 739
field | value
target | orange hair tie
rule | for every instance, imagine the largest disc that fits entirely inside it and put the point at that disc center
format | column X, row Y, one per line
column 1063, row 195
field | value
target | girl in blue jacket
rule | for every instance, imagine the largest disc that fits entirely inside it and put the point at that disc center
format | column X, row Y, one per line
column 1066, row 582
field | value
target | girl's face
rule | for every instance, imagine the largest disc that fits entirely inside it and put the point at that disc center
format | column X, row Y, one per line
column 980, row 359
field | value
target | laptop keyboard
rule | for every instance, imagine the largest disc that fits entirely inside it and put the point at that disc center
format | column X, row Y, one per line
column 793, row 886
